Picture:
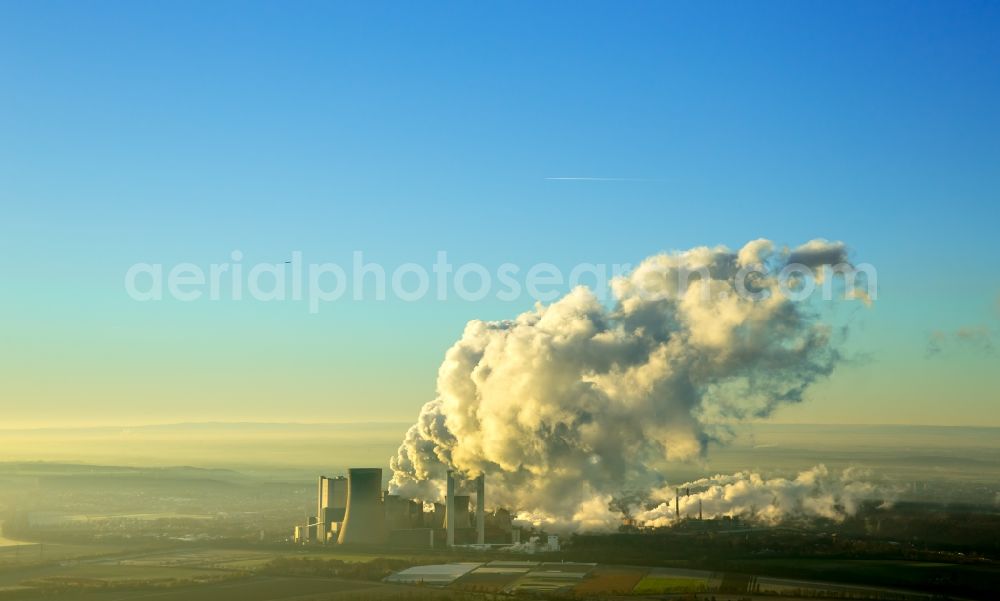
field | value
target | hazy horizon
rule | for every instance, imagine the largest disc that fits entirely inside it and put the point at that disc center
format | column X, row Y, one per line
column 897, row 451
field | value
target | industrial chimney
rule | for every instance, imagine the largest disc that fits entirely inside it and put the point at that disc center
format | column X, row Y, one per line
column 481, row 509
column 321, row 496
column 364, row 520
column 449, row 509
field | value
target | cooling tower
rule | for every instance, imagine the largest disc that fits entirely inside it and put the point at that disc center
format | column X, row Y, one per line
column 364, row 520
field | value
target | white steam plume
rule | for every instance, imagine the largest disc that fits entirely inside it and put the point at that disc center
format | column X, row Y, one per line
column 574, row 401
column 813, row 493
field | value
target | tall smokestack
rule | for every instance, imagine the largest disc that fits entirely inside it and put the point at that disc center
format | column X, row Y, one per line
column 481, row 509
column 449, row 509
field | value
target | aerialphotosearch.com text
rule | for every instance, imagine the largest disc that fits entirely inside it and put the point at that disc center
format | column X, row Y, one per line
column 319, row 283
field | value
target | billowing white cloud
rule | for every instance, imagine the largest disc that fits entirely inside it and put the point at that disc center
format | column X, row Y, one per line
column 574, row 401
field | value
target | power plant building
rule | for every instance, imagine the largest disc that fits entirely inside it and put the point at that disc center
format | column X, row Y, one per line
column 355, row 510
column 331, row 505
column 462, row 518
column 332, row 493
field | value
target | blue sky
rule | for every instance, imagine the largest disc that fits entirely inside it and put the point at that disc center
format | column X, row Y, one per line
column 178, row 132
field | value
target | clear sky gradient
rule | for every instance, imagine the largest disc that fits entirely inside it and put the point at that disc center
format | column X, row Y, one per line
column 178, row 132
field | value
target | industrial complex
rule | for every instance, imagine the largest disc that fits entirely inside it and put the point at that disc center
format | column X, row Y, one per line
column 356, row 510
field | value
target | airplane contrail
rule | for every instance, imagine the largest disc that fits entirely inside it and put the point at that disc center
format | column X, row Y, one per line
column 601, row 179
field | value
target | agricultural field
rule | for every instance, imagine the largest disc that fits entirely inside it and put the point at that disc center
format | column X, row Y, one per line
column 193, row 571
column 611, row 580
column 265, row 589
column 494, row 576
column 351, row 556
column 229, row 559
column 89, row 575
column 32, row 555
column 585, row 580
column 489, row 579
column 548, row 577
column 657, row 585
column 676, row 580
column 112, row 574
column 189, row 572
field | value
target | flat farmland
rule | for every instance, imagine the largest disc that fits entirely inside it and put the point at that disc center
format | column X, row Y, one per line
column 267, row 589
column 230, row 559
column 489, row 579
column 658, row 585
column 34, row 553
column 611, row 580
column 116, row 574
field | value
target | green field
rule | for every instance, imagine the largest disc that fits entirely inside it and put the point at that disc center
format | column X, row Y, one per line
column 656, row 585
column 112, row 573
column 349, row 556
column 265, row 589
column 34, row 554
column 92, row 572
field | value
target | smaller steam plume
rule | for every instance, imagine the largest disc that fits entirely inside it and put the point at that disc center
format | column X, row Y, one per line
column 813, row 493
